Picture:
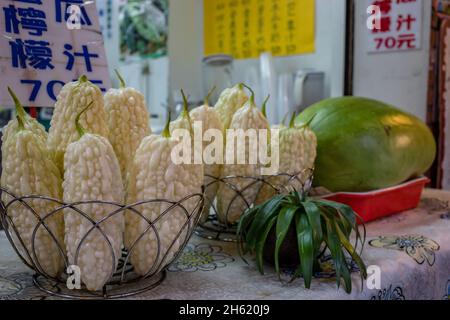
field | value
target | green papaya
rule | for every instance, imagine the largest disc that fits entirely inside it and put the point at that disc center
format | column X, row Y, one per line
column 364, row 144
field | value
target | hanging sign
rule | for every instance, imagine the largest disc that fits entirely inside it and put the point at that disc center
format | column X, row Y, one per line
column 394, row 25
column 245, row 29
column 45, row 44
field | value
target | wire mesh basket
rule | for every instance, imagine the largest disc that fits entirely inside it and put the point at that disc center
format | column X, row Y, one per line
column 123, row 280
column 212, row 227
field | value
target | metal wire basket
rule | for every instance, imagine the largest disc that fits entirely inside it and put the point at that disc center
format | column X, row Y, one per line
column 123, row 281
column 212, row 228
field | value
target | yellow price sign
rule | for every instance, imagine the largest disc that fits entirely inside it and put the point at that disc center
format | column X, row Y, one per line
column 246, row 28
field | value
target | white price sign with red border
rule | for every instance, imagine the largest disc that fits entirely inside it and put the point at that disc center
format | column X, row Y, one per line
column 394, row 25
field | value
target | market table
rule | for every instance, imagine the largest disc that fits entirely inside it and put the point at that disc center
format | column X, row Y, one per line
column 412, row 250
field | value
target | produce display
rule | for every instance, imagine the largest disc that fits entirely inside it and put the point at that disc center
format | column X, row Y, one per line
column 209, row 119
column 153, row 175
column 128, row 122
column 100, row 151
column 71, row 100
column 230, row 207
column 28, row 169
column 92, row 232
column 365, row 144
column 92, row 172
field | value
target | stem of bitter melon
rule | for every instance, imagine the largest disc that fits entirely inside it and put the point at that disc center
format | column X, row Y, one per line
column 206, row 101
column 121, row 80
column 292, row 122
column 166, row 131
column 264, row 107
column 19, row 108
column 83, row 79
column 306, row 125
column 185, row 112
column 80, row 129
column 21, row 124
column 252, row 97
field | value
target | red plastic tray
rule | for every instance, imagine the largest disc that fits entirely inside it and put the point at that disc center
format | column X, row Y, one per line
column 384, row 202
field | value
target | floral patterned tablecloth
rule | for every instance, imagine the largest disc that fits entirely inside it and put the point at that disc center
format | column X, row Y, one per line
column 412, row 250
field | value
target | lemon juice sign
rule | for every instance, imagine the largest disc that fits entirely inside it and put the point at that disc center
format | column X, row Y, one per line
column 45, row 44
column 245, row 29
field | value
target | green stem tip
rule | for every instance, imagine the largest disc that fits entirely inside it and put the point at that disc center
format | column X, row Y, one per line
column 208, row 96
column 83, row 79
column 292, row 122
column 185, row 112
column 19, row 108
column 80, row 129
column 252, row 97
column 308, row 123
column 121, row 80
column 21, row 124
column 264, row 107
column 166, row 131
